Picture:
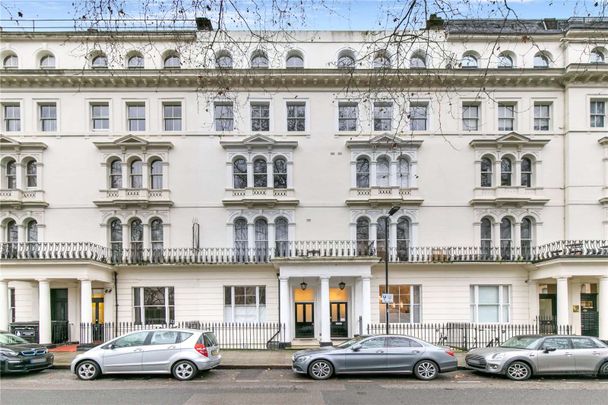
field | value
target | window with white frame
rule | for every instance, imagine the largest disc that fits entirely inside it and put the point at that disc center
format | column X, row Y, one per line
column 506, row 172
column 260, row 117
column 279, row 166
column 260, row 178
column 10, row 174
column 470, row 117
column 11, row 303
column 47, row 62
column 363, row 241
column 115, row 173
column 100, row 116
column 136, row 117
column 383, row 116
column 486, row 237
column 31, row 173
column 172, row 116
column 223, row 116
column 136, row 174
column 116, row 239
column 281, row 236
column 526, row 231
column 245, row 303
column 156, row 174
column 136, row 61
column 241, row 239
column 506, row 238
column 526, row 172
column 362, row 168
column 383, row 166
column 419, row 116
column 347, row 116
column 296, row 116
column 506, row 116
column 486, row 172
column 11, row 113
column 239, row 173
column 596, row 56
column 156, row 237
column 172, row 61
column 598, row 113
column 403, row 172
column 542, row 116
column 11, row 62
column 48, row 117
column 490, row 303
column 153, row 305
column 406, row 303
column 31, row 233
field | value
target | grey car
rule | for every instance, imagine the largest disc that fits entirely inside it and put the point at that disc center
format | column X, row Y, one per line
column 376, row 354
column 180, row 352
column 521, row 357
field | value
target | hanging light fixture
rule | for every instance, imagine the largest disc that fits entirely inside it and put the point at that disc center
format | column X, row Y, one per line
column 341, row 284
column 303, row 285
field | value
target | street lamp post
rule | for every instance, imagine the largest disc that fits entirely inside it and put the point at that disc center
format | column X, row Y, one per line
column 390, row 213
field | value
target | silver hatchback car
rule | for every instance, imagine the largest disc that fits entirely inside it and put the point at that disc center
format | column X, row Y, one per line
column 523, row 356
column 180, row 352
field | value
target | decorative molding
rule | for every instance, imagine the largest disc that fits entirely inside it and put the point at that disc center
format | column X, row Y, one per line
column 251, row 214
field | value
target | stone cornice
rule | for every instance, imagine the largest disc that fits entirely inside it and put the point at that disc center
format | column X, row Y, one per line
column 258, row 142
column 9, row 144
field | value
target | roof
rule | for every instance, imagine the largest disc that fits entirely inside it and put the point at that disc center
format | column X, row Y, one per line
column 517, row 26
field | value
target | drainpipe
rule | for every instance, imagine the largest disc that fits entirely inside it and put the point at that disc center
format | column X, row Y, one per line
column 279, row 300
column 115, row 303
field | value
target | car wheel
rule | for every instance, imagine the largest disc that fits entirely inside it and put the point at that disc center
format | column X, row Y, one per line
column 603, row 370
column 184, row 370
column 320, row 369
column 519, row 371
column 426, row 370
column 87, row 370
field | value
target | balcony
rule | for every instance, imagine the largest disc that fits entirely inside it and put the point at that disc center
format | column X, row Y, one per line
column 260, row 197
column 134, row 197
column 18, row 199
column 380, row 196
column 509, row 195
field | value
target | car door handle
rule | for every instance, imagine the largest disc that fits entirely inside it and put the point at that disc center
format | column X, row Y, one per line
column 171, row 347
column 379, row 351
column 597, row 353
column 138, row 350
column 416, row 351
column 568, row 354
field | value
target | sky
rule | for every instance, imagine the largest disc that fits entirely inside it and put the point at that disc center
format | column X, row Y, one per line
column 304, row 14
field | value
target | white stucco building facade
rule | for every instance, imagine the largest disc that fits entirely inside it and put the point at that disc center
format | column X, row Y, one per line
column 181, row 177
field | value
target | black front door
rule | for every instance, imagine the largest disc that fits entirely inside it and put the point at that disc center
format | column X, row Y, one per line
column 305, row 320
column 547, row 313
column 339, row 319
column 589, row 315
column 59, row 315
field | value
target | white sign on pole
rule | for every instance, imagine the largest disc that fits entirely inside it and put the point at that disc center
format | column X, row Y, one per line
column 387, row 298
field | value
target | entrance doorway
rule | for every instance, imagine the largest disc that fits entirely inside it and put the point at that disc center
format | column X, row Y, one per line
column 547, row 313
column 305, row 320
column 59, row 315
column 589, row 315
column 97, row 316
column 338, row 312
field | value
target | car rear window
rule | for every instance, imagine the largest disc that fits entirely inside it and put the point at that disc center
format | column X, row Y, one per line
column 209, row 339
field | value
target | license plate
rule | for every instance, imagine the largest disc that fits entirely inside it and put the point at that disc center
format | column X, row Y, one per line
column 36, row 361
column 215, row 352
column 473, row 362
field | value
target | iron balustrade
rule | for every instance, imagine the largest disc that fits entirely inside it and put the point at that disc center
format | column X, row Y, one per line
column 302, row 249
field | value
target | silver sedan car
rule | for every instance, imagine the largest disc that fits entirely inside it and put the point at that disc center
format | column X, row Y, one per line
column 523, row 356
column 376, row 354
column 180, row 352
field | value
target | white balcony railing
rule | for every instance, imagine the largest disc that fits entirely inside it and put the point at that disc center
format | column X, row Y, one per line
column 19, row 198
column 510, row 194
column 380, row 195
column 134, row 196
column 262, row 196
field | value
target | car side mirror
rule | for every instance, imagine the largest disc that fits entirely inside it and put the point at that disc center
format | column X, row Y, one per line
column 110, row 346
column 549, row 349
column 355, row 347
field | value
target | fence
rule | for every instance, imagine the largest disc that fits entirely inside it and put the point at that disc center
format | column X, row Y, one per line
column 247, row 336
column 466, row 336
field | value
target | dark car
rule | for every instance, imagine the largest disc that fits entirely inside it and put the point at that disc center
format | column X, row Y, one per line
column 19, row 356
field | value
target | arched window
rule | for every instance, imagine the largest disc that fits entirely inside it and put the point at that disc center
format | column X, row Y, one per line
column 280, row 173
column 362, row 172
column 294, row 61
column 240, row 239
column 383, row 171
column 418, row 61
column 403, row 238
column 526, row 237
column 172, row 62
column 116, row 174
column 363, row 248
column 260, row 178
column 47, row 62
column 281, row 232
column 11, row 174
column 31, row 173
column 156, row 174
column 526, row 172
column 116, row 239
column 156, row 238
column 135, row 62
column 99, row 62
column 135, row 174
column 346, row 61
column 32, row 235
column 239, row 173
column 259, row 61
column 486, row 237
column 486, row 172
column 403, row 174
column 506, row 171
column 596, row 56
column 541, row 61
column 469, row 61
column 381, row 61
column 223, row 61
column 261, row 239
column 137, row 240
column 505, row 238
column 505, row 61
column 12, row 238
column 381, row 235
column 11, row 62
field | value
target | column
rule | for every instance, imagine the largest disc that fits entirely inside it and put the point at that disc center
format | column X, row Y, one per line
column 325, row 324
column 147, row 241
column 44, row 312
column 392, row 180
column 603, row 307
column 366, row 302
column 125, row 174
column 517, row 239
column 496, row 236
column 249, row 174
column 251, row 236
column 562, row 301
column 285, row 309
column 269, row 174
column 372, row 174
column 533, row 303
column 19, row 176
column 86, row 298
column 4, row 308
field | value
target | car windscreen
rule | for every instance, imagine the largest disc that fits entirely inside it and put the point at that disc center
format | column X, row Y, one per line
column 350, row 342
column 10, row 339
column 521, row 342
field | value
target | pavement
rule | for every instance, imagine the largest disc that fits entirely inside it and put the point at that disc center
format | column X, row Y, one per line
column 233, row 359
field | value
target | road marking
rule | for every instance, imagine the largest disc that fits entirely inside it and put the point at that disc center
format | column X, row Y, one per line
column 248, row 381
column 301, row 381
column 361, row 381
column 466, row 382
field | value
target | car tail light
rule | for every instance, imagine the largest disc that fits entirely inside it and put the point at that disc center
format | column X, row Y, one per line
column 202, row 349
column 450, row 353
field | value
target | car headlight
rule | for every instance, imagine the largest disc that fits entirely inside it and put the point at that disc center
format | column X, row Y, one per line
column 302, row 359
column 498, row 356
column 7, row 352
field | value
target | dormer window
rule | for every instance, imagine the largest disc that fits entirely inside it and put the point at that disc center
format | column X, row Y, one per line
column 418, row 61
column 99, row 62
column 541, row 61
column 469, row 61
column 382, row 61
column 135, row 62
column 47, row 62
column 295, row 61
column 259, row 60
column 505, row 61
column 223, row 61
column 11, row 62
column 346, row 60
column 172, row 62
column 596, row 56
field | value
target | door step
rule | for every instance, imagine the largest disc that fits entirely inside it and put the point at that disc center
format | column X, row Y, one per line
column 304, row 343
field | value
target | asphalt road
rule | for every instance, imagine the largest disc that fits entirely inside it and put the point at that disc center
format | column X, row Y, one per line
column 254, row 386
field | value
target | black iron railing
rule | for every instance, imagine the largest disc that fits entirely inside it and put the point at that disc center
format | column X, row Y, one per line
column 301, row 249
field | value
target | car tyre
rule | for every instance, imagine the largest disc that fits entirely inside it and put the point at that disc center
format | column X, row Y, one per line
column 603, row 372
column 87, row 370
column 184, row 370
column 426, row 370
column 320, row 370
column 519, row 371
